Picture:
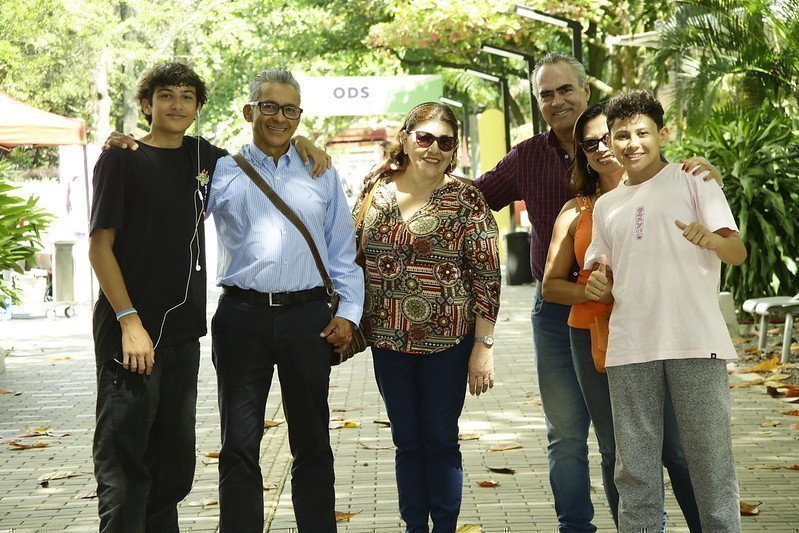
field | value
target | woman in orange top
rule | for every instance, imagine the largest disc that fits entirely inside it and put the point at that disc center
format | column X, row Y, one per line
column 597, row 171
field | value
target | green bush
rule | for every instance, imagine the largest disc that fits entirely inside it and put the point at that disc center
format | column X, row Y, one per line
column 757, row 152
column 21, row 223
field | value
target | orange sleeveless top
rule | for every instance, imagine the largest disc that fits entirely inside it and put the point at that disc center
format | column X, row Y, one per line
column 582, row 315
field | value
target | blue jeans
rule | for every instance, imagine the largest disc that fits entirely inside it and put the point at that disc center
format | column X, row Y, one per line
column 566, row 416
column 597, row 398
column 424, row 397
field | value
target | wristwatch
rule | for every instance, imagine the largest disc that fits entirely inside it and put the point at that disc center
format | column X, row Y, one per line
column 488, row 340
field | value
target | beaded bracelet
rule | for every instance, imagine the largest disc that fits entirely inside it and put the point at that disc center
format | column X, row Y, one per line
column 126, row 312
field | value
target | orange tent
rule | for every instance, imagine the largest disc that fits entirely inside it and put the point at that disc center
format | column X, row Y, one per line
column 21, row 124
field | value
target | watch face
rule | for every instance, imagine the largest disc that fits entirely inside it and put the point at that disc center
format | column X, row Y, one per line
column 487, row 340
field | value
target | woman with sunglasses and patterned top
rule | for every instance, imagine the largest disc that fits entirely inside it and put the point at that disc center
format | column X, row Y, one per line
column 597, row 171
column 432, row 298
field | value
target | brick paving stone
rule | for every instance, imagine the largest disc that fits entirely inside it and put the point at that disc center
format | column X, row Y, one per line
column 59, row 394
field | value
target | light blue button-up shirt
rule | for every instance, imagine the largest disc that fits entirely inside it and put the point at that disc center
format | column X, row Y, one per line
column 260, row 249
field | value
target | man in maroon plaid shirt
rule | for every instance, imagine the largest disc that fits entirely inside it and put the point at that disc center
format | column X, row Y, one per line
column 537, row 171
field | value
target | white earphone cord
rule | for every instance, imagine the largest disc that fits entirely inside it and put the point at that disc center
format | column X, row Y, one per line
column 194, row 238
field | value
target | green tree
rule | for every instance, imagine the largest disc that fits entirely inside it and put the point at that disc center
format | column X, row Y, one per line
column 722, row 51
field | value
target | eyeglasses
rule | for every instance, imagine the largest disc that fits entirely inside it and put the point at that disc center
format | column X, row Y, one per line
column 446, row 143
column 590, row 146
column 269, row 109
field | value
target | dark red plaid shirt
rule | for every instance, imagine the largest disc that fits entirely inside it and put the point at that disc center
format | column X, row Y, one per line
column 536, row 171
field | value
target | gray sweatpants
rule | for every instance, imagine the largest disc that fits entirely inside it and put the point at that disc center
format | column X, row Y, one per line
column 700, row 395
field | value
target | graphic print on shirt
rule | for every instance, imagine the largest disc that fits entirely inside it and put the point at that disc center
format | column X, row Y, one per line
column 639, row 223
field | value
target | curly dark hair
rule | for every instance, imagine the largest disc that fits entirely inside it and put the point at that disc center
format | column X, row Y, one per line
column 584, row 179
column 633, row 103
column 422, row 113
column 172, row 73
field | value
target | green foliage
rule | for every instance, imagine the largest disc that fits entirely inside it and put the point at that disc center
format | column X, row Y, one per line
column 744, row 51
column 757, row 151
column 21, row 223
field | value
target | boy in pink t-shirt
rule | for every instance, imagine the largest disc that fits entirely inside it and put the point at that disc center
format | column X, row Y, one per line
column 664, row 234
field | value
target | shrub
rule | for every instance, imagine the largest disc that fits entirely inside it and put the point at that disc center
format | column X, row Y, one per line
column 21, row 223
column 757, row 152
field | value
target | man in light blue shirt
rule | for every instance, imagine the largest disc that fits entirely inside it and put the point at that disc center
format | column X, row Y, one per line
column 274, row 310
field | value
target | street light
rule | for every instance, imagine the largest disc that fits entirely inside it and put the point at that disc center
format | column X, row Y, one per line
column 465, row 134
column 556, row 20
column 530, row 60
column 503, row 82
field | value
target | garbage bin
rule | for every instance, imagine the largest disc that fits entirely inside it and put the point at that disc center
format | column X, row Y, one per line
column 64, row 272
column 518, row 263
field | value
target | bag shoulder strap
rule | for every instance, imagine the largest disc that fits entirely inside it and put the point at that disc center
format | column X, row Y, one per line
column 288, row 213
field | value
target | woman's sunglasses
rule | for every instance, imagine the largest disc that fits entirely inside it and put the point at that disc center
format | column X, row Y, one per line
column 590, row 146
column 446, row 143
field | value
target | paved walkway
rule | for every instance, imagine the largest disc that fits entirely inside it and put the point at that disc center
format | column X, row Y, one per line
column 52, row 366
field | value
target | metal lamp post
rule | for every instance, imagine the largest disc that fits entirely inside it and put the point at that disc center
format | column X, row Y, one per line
column 530, row 60
column 556, row 20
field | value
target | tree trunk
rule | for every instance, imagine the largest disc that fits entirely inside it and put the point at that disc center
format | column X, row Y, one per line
column 101, row 114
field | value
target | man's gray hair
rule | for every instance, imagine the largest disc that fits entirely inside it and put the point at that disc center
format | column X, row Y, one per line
column 556, row 57
column 275, row 75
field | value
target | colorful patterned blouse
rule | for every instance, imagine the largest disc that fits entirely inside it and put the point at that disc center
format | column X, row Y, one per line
column 427, row 278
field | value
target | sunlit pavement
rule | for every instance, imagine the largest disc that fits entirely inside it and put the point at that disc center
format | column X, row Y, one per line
column 52, row 366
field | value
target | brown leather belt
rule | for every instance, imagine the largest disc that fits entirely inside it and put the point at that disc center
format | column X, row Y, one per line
column 276, row 298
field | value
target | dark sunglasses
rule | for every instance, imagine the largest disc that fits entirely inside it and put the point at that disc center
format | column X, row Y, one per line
column 446, row 143
column 269, row 109
column 590, row 146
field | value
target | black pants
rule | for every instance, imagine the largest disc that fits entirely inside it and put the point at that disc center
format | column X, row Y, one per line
column 144, row 444
column 248, row 341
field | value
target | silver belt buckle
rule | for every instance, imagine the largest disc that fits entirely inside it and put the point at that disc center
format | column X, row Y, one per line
column 271, row 304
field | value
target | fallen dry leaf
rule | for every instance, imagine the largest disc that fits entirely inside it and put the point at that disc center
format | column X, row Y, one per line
column 16, row 445
column 385, row 423
column 370, row 446
column 340, row 517
column 792, row 392
column 469, row 436
column 751, row 349
column 769, row 424
column 272, row 423
column 214, row 453
column 774, row 331
column 504, row 470
column 203, row 503
column 211, row 461
column 792, row 413
column 269, row 486
column 13, row 392
column 45, row 479
column 791, row 467
column 88, row 495
column 750, row 509
column 505, row 446
column 29, row 431
column 58, row 358
column 532, row 401
column 739, row 340
column 769, row 365
column 488, row 483
column 469, row 528
column 765, row 466
column 344, row 409
column 346, row 424
column 795, row 426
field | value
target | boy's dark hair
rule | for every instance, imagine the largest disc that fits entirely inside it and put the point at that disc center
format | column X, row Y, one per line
column 633, row 103
column 169, row 74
